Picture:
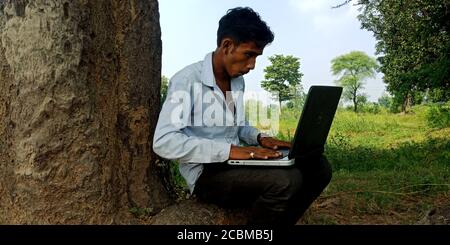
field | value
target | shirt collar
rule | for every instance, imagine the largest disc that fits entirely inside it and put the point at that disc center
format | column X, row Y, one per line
column 209, row 80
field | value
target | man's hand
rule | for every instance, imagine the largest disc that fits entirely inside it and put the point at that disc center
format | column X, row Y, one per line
column 272, row 143
column 252, row 152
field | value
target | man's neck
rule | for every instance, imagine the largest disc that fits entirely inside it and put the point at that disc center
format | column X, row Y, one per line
column 220, row 74
column 223, row 80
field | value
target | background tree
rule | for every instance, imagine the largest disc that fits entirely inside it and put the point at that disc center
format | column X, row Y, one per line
column 298, row 98
column 385, row 101
column 164, row 87
column 413, row 44
column 353, row 68
column 282, row 77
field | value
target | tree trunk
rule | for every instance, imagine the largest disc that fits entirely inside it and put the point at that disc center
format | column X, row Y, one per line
column 407, row 102
column 355, row 102
column 79, row 100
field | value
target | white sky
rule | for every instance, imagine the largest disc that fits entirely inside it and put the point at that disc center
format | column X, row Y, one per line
column 307, row 29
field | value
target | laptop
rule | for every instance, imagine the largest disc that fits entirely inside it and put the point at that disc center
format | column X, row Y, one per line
column 312, row 129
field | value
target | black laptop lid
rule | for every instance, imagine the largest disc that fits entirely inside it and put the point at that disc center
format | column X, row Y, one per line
column 315, row 122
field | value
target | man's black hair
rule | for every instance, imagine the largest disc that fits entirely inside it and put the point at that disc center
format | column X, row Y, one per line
column 244, row 25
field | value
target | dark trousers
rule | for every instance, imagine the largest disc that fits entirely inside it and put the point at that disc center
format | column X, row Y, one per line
column 276, row 195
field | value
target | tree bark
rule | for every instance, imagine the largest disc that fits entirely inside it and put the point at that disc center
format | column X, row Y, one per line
column 79, row 100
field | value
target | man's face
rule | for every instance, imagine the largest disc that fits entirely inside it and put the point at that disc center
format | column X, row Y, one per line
column 241, row 59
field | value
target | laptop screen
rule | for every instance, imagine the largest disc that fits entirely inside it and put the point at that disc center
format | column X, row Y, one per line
column 315, row 121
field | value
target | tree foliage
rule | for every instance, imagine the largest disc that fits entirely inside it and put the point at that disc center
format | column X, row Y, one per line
column 282, row 77
column 353, row 68
column 385, row 101
column 413, row 43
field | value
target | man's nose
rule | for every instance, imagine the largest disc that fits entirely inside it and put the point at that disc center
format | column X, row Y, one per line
column 251, row 64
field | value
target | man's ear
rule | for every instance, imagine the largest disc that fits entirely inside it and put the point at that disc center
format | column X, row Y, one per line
column 227, row 45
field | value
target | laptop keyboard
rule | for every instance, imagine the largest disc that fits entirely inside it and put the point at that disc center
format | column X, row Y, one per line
column 285, row 153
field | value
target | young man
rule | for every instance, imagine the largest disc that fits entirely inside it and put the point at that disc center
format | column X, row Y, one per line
column 202, row 122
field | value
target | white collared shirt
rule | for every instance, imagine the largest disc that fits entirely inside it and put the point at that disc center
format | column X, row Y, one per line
column 195, row 126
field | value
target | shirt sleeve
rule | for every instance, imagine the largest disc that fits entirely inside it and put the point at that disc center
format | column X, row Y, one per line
column 248, row 134
column 171, row 142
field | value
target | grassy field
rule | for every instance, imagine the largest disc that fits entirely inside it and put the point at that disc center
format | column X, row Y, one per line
column 387, row 168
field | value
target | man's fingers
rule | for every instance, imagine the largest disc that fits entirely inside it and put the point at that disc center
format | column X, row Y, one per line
column 284, row 144
column 270, row 153
column 256, row 153
column 261, row 156
column 276, row 144
column 264, row 153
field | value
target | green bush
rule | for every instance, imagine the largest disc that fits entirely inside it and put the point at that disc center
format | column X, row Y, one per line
column 438, row 115
column 370, row 107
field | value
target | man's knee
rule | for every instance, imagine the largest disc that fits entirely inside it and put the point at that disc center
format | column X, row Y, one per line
column 317, row 171
column 287, row 182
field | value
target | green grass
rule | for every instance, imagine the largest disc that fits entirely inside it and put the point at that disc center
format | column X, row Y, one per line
column 383, row 162
column 387, row 168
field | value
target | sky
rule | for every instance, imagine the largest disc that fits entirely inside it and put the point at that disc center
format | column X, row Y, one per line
column 308, row 29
